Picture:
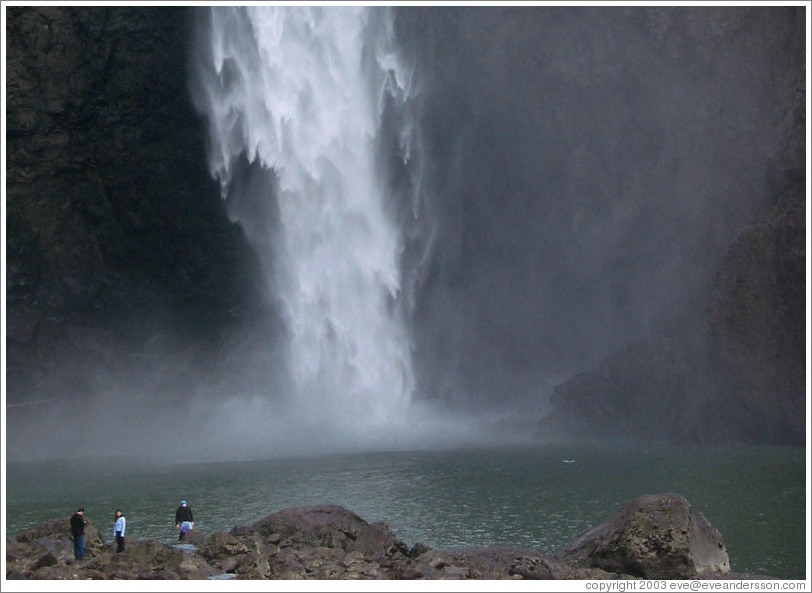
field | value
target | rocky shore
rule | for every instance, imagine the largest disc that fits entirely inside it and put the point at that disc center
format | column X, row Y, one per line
column 652, row 537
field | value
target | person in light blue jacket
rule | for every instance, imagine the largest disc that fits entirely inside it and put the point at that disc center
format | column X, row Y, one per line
column 118, row 530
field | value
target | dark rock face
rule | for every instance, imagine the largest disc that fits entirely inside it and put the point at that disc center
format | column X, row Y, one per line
column 106, row 162
column 652, row 537
column 736, row 373
column 115, row 230
column 758, row 326
column 617, row 400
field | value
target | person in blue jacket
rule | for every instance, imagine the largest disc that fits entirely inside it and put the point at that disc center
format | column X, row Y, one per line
column 118, row 530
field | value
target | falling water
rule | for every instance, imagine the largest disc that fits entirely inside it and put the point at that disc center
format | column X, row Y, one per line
column 301, row 91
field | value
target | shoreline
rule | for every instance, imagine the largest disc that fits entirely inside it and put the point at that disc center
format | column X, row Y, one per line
column 652, row 537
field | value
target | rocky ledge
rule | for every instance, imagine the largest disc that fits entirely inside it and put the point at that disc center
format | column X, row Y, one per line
column 652, row 537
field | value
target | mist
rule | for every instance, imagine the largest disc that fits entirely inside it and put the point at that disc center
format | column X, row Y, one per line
column 590, row 165
column 147, row 420
column 504, row 198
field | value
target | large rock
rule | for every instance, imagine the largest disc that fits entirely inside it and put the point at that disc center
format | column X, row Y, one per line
column 154, row 560
column 652, row 537
column 53, row 535
column 481, row 563
column 329, row 526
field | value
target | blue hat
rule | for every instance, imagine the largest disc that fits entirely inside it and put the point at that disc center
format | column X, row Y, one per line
column 183, row 503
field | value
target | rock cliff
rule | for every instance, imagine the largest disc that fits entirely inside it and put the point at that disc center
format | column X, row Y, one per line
column 735, row 373
column 118, row 245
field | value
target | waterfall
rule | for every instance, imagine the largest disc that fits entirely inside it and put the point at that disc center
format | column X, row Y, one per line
column 300, row 91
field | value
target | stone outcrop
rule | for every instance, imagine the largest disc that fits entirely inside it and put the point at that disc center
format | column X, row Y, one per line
column 655, row 536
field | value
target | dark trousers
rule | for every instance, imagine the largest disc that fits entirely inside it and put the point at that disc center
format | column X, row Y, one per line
column 79, row 546
column 119, row 542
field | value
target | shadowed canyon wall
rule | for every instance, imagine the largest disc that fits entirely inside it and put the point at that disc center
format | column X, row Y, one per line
column 119, row 252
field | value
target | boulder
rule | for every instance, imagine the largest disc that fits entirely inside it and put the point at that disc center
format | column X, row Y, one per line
column 50, row 544
column 195, row 538
column 378, row 541
column 329, row 526
column 494, row 562
column 222, row 545
column 652, row 537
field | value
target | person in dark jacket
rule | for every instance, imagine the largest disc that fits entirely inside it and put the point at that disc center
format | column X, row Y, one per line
column 77, row 530
column 184, row 520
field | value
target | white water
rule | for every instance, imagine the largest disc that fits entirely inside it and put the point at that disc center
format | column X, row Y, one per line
column 293, row 90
